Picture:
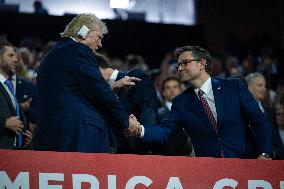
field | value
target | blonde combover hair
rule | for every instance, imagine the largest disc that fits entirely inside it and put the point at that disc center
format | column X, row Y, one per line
column 90, row 20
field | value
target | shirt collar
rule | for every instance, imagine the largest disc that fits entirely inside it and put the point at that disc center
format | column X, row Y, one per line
column 113, row 77
column 206, row 87
column 74, row 39
column 168, row 104
column 2, row 78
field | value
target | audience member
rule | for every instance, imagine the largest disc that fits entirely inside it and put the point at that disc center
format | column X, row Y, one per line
column 39, row 9
column 14, row 132
column 280, row 118
column 257, row 86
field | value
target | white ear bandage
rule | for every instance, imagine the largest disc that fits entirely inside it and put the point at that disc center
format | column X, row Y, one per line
column 83, row 31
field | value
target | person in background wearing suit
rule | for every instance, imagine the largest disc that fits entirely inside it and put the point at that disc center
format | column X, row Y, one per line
column 179, row 143
column 26, row 95
column 14, row 127
column 138, row 98
column 214, row 112
column 257, row 86
column 74, row 100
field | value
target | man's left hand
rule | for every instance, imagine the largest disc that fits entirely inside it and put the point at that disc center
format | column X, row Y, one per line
column 26, row 105
column 125, row 82
column 28, row 136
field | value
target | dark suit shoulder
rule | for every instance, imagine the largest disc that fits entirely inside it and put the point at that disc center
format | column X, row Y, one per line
column 181, row 97
column 77, row 47
column 232, row 82
column 25, row 82
column 227, row 80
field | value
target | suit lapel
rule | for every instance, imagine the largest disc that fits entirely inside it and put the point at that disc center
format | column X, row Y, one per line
column 198, row 109
column 218, row 92
column 18, row 83
column 8, row 98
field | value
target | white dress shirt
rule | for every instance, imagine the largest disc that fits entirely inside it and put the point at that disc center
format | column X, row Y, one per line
column 113, row 77
column 168, row 105
column 2, row 80
column 208, row 95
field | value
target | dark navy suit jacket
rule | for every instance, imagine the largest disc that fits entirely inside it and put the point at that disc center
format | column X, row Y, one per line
column 140, row 100
column 178, row 144
column 74, row 100
column 7, row 138
column 236, row 108
column 25, row 90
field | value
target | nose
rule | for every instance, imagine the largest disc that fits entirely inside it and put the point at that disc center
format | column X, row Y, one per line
column 179, row 68
column 15, row 59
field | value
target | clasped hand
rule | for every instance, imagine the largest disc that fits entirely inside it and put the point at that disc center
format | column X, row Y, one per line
column 134, row 128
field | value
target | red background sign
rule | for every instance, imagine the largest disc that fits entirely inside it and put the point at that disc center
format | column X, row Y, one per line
column 112, row 171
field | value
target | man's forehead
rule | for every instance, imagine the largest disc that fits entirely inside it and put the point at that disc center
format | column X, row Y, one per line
column 185, row 55
column 9, row 49
column 172, row 82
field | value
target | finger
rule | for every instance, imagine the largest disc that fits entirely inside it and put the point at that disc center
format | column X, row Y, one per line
column 14, row 118
column 27, row 141
column 29, row 100
column 134, row 79
column 130, row 83
column 27, row 134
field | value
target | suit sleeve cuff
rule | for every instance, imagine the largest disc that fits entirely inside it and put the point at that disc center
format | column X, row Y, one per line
column 142, row 131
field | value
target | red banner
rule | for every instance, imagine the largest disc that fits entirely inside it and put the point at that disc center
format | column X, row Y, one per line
column 55, row 170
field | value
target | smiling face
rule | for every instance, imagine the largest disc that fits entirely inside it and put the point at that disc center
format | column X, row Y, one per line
column 8, row 61
column 188, row 67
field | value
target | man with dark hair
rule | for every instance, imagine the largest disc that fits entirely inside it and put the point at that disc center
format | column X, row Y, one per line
column 215, row 112
column 14, row 127
column 138, row 98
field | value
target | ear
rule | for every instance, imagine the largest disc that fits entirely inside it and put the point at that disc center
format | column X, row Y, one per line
column 203, row 63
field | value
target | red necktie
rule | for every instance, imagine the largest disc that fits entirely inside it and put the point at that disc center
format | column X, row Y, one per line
column 210, row 116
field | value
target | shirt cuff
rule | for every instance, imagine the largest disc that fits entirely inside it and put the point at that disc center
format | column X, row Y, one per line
column 142, row 131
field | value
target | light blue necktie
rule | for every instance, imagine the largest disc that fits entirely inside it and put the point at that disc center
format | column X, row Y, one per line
column 11, row 89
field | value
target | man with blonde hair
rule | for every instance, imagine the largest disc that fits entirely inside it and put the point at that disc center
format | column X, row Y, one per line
column 73, row 97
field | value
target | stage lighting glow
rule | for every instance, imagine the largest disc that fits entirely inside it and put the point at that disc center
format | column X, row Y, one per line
column 119, row 4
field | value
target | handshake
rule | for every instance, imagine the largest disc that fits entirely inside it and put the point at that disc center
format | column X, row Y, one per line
column 134, row 128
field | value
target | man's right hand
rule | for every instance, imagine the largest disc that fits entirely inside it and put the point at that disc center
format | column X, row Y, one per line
column 134, row 127
column 14, row 124
column 125, row 82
